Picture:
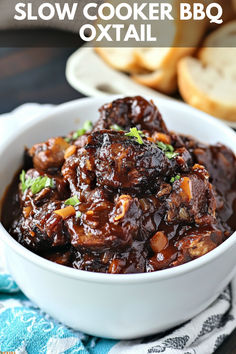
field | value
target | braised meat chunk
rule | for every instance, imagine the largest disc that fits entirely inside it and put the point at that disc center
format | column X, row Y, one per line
column 113, row 160
column 49, row 156
column 221, row 164
column 192, row 199
column 131, row 112
column 106, row 225
column 195, row 243
column 123, row 195
column 40, row 228
column 37, row 188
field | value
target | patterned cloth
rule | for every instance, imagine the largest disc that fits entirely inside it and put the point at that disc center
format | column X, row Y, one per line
column 24, row 328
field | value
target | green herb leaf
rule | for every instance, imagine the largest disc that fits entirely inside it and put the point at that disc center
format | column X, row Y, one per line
column 167, row 149
column 88, row 125
column 72, row 201
column 116, row 127
column 35, row 184
column 162, row 146
column 67, row 140
column 22, row 176
column 176, row 178
column 170, row 148
column 171, row 155
column 78, row 133
column 23, row 181
column 39, row 183
column 78, row 214
column 86, row 128
column 134, row 133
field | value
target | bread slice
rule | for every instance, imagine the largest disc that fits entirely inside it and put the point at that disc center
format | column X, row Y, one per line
column 164, row 79
column 121, row 59
column 177, row 39
column 156, row 67
column 206, row 88
column 152, row 58
column 215, row 53
column 183, row 38
column 210, row 82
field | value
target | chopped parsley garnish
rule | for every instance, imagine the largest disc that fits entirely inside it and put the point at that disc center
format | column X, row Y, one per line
column 88, row 125
column 67, row 140
column 72, row 201
column 86, row 128
column 171, row 155
column 40, row 183
column 116, row 127
column 176, row 178
column 135, row 133
column 78, row 214
column 35, row 184
column 167, row 149
column 24, row 184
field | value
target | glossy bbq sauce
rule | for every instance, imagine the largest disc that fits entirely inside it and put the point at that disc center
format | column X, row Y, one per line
column 125, row 196
column 10, row 208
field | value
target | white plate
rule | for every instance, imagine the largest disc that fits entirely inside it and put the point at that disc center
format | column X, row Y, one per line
column 87, row 73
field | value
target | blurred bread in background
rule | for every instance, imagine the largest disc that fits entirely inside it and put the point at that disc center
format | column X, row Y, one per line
column 162, row 62
column 157, row 67
column 204, row 73
column 209, row 81
column 163, row 80
column 164, row 77
column 121, row 59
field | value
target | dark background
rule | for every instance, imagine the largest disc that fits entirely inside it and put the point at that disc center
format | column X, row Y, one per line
column 38, row 75
column 35, row 74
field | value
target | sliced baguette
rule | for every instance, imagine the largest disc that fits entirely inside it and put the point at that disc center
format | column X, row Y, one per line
column 157, row 67
column 207, row 88
column 215, row 53
column 152, row 58
column 121, row 59
column 186, row 39
column 186, row 35
column 178, row 39
column 164, row 79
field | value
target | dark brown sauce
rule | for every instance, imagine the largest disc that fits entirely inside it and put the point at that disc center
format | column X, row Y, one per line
column 10, row 208
column 145, row 205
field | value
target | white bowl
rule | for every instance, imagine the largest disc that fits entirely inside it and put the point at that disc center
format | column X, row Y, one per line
column 115, row 305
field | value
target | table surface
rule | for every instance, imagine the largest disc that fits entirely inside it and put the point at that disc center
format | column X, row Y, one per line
column 38, row 75
column 34, row 75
